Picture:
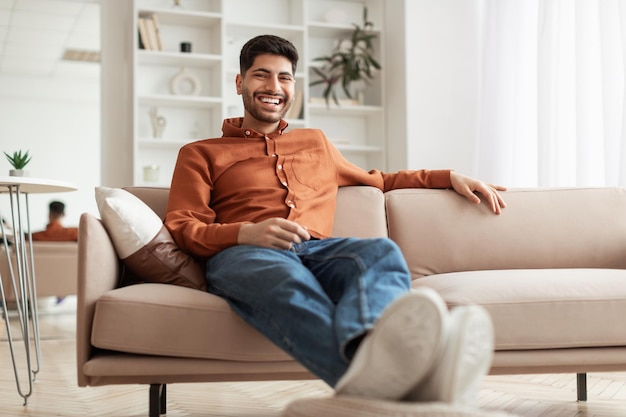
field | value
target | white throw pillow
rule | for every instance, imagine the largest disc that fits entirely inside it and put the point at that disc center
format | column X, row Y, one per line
column 143, row 243
column 129, row 221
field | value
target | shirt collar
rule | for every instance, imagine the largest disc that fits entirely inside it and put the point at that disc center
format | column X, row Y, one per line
column 232, row 128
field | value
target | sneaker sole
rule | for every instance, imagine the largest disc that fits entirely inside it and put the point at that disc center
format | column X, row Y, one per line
column 465, row 360
column 404, row 344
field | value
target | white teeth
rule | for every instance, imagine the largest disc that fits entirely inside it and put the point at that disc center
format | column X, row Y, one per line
column 270, row 100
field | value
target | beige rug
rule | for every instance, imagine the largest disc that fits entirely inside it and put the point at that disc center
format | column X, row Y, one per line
column 361, row 407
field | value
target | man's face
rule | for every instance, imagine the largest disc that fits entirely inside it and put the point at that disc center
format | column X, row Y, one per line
column 267, row 88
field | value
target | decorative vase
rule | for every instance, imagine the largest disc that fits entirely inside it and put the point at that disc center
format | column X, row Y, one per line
column 158, row 123
column 185, row 83
column 18, row 173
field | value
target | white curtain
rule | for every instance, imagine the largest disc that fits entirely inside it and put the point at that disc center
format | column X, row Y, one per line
column 552, row 106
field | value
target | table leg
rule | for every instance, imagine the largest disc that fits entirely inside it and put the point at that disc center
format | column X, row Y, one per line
column 32, row 287
column 24, row 288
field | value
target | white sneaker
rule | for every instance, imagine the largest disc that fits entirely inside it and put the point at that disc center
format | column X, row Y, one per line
column 400, row 350
column 464, row 362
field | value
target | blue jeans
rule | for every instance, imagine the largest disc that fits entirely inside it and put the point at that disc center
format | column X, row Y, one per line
column 313, row 299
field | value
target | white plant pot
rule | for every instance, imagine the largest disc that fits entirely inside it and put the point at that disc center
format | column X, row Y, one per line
column 18, row 173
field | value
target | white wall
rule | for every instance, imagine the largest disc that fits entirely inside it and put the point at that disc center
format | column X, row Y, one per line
column 58, row 120
column 433, row 66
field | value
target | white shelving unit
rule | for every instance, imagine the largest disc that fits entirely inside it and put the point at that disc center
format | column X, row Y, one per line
column 205, row 94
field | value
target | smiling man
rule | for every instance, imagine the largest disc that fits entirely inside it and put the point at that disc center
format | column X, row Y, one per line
column 264, row 111
column 258, row 205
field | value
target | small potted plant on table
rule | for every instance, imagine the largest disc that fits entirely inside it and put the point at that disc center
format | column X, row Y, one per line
column 18, row 161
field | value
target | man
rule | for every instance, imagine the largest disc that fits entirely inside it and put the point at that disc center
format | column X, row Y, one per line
column 258, row 204
column 55, row 231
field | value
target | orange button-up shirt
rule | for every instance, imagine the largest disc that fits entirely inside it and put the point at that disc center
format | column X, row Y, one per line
column 244, row 176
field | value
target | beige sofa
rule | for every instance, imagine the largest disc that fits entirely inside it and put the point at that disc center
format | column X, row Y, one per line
column 550, row 270
column 55, row 266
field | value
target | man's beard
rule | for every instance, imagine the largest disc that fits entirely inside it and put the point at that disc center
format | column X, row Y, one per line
column 251, row 107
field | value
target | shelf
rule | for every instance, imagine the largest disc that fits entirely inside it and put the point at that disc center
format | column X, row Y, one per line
column 178, row 58
column 284, row 31
column 333, row 30
column 186, row 18
column 352, row 110
column 180, row 101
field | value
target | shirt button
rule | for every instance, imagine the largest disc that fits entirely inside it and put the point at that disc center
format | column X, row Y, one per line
column 280, row 166
column 247, row 132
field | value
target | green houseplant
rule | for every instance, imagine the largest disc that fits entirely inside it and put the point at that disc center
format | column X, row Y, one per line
column 18, row 161
column 351, row 61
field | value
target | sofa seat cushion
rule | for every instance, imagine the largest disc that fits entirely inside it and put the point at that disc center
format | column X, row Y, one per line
column 543, row 308
column 169, row 320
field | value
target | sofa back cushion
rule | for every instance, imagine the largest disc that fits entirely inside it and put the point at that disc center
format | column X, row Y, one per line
column 154, row 197
column 439, row 231
column 55, row 265
column 360, row 210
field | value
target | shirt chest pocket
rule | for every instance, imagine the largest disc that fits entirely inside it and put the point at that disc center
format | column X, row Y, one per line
column 309, row 169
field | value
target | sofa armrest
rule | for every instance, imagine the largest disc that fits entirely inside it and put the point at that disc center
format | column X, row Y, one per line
column 440, row 232
column 98, row 273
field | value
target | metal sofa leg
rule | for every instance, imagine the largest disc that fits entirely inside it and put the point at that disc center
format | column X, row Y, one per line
column 158, row 399
column 581, row 386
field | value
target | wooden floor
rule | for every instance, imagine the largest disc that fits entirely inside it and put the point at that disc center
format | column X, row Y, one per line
column 55, row 392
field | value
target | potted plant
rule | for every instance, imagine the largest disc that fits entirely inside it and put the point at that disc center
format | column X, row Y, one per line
column 351, row 61
column 19, row 160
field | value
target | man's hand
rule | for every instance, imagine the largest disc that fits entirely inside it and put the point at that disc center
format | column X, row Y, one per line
column 276, row 233
column 467, row 187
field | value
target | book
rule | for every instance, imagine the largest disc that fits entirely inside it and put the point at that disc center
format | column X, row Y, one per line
column 157, row 31
column 296, row 107
column 151, row 31
column 143, row 33
column 139, row 41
